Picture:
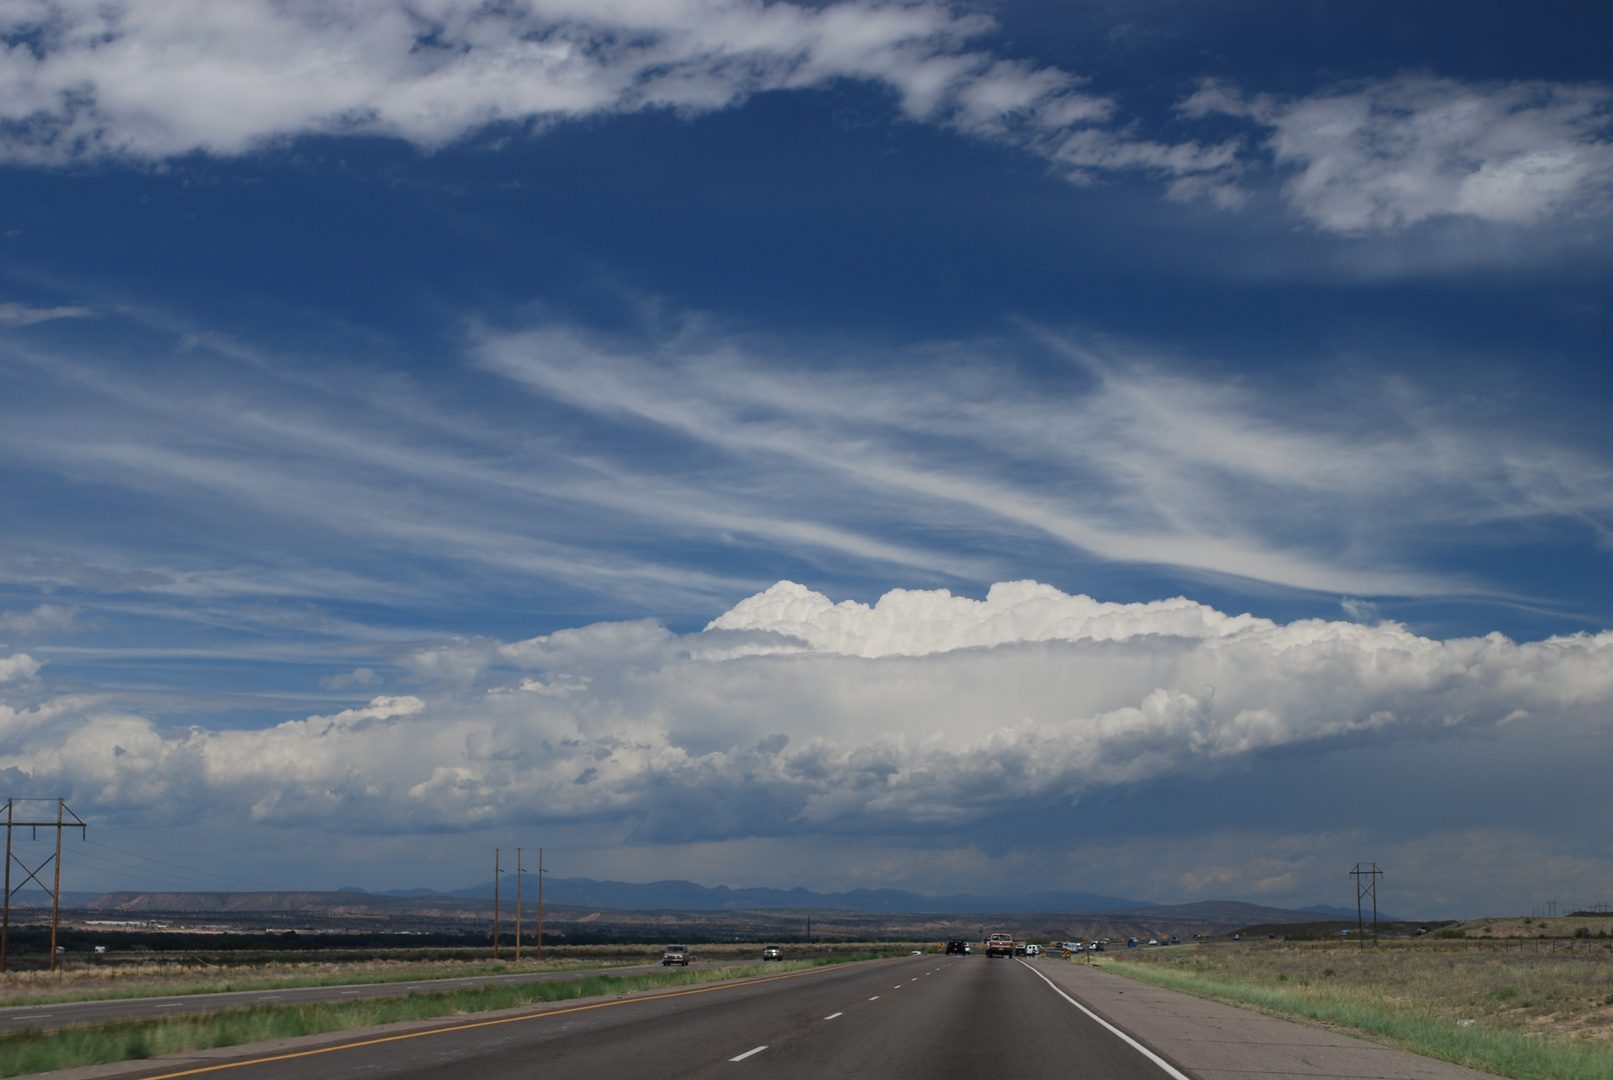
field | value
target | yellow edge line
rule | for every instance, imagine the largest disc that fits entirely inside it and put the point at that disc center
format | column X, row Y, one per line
column 480, row 1024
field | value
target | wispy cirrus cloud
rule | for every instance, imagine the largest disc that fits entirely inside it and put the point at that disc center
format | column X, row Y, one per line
column 664, row 473
column 1137, row 461
column 15, row 314
column 146, row 79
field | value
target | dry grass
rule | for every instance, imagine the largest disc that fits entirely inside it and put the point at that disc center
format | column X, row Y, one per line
column 93, row 1044
column 164, row 976
column 160, row 978
column 1521, row 1008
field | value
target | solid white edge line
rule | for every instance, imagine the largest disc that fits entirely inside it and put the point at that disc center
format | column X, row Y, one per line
column 831, row 1016
column 1170, row 1070
column 758, row 1050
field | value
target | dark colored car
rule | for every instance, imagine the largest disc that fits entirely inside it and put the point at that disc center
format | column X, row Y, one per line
column 959, row 948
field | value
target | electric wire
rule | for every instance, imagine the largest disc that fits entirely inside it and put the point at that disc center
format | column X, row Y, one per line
column 179, row 866
column 156, row 870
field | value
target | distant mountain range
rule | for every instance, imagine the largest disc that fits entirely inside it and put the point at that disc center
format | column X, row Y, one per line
column 688, row 896
column 1349, row 913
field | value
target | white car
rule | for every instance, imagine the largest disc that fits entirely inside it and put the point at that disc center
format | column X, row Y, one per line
column 1033, row 950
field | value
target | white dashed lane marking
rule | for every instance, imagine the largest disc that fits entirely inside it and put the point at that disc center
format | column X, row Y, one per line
column 748, row 1053
column 874, row 998
column 831, row 1016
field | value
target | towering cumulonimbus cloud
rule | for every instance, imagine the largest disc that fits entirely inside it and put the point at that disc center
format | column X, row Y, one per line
column 790, row 713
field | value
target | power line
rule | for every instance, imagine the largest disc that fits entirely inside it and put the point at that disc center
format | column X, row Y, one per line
column 187, row 869
column 142, row 873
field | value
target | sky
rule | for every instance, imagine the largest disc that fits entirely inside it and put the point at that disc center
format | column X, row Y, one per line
column 1148, row 448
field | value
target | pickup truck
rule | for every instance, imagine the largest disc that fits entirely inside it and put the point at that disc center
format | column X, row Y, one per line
column 1000, row 945
column 676, row 954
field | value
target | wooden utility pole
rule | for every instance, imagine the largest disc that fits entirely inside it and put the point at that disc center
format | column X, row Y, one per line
column 518, row 905
column 496, row 872
column 540, row 905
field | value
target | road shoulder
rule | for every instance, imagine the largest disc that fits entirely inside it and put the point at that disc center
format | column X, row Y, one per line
column 1211, row 1041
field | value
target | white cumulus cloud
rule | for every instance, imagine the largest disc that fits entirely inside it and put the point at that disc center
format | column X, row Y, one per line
column 792, row 715
column 44, row 619
column 1388, row 154
column 917, row 623
column 18, row 666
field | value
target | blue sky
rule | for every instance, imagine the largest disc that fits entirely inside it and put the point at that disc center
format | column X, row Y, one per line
column 391, row 397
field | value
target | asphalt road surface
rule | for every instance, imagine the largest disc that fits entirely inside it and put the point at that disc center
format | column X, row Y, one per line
column 46, row 1017
column 924, row 1017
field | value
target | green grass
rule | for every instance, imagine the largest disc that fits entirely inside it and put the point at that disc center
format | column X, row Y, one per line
column 98, row 1044
column 1494, row 1049
column 178, row 981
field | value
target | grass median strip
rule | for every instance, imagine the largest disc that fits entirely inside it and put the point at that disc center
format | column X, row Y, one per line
column 98, row 1044
column 1452, row 1007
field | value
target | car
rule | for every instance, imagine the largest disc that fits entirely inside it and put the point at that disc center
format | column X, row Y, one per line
column 772, row 952
column 1153, row 941
column 1131, row 943
column 1000, row 945
column 917, row 952
column 676, row 954
column 957, row 948
column 1033, row 950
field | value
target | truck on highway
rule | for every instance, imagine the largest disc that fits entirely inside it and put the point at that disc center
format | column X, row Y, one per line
column 676, row 954
column 1000, row 945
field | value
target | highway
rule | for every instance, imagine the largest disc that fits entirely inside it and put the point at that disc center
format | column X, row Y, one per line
column 63, row 1014
column 917, row 1017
